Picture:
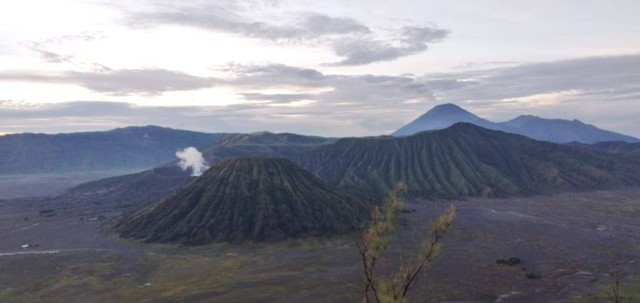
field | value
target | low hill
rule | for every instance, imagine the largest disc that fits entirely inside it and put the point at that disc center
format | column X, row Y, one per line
column 257, row 199
column 466, row 160
column 118, row 149
column 133, row 190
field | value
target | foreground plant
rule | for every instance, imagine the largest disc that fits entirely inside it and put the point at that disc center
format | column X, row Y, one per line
column 384, row 281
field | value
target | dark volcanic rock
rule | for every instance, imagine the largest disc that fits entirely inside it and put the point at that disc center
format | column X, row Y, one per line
column 257, row 199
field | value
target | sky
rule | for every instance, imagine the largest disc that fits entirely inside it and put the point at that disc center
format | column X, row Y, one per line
column 331, row 68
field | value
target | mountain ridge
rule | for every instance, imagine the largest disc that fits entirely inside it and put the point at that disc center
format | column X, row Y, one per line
column 121, row 148
column 552, row 130
column 466, row 160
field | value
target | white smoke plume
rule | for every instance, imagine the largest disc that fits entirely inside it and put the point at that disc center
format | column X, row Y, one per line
column 190, row 157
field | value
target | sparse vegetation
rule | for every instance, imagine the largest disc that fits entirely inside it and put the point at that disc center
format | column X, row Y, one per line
column 387, row 280
column 615, row 292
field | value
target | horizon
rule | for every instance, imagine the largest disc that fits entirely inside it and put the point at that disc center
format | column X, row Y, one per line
column 305, row 134
column 328, row 69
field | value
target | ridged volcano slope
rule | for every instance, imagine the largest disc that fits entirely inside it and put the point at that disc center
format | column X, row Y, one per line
column 466, row 160
column 257, row 199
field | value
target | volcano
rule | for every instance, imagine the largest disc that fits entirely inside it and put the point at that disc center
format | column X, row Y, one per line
column 256, row 199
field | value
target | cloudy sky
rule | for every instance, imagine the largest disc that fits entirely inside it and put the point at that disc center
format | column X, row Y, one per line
column 335, row 68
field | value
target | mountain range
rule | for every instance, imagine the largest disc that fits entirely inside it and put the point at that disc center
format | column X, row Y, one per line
column 118, row 149
column 552, row 130
column 463, row 160
column 154, row 184
column 466, row 160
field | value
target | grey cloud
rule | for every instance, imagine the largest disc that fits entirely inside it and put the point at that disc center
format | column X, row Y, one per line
column 342, row 105
column 226, row 19
column 120, row 82
column 448, row 84
column 363, row 90
column 594, row 75
column 364, row 50
column 349, row 39
column 145, row 81
column 600, row 90
column 316, row 23
column 276, row 98
column 274, row 75
column 49, row 56
column 52, row 57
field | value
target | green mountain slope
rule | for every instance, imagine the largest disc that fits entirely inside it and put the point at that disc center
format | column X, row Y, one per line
column 257, row 199
column 466, row 160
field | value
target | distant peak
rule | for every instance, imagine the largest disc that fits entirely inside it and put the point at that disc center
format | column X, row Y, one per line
column 525, row 117
column 447, row 107
column 262, row 133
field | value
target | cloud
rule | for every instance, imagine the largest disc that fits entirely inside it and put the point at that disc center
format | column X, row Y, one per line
column 364, row 91
column 276, row 98
column 44, row 47
column 608, row 76
column 352, row 41
column 600, row 90
column 273, row 75
column 335, row 105
column 119, row 82
column 228, row 19
column 364, row 50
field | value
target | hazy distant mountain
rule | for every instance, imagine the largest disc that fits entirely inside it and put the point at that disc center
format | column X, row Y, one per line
column 440, row 117
column 562, row 131
column 553, row 130
column 466, row 160
column 263, row 144
column 154, row 184
column 257, row 199
column 123, row 148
